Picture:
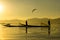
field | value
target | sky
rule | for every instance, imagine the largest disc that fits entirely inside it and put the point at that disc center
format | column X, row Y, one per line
column 22, row 9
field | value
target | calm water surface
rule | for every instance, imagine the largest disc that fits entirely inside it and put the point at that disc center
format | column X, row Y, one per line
column 18, row 33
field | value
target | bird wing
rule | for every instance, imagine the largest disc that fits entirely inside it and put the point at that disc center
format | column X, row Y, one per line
column 33, row 10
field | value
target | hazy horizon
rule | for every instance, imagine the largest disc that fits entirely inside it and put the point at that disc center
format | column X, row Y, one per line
column 28, row 19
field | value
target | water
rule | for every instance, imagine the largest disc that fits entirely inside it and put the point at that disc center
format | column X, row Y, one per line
column 18, row 33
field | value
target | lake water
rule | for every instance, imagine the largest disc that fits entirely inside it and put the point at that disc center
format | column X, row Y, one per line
column 18, row 33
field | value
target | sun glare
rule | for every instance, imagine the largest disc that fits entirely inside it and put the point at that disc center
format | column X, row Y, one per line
column 1, row 8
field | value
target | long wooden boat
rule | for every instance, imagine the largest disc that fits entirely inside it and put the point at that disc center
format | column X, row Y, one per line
column 8, row 25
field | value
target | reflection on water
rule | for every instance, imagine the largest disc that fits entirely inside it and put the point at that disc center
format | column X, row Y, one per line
column 18, row 33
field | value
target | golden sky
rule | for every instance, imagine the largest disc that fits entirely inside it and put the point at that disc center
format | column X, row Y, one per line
column 22, row 9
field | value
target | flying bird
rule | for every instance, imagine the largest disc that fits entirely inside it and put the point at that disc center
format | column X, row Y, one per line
column 34, row 10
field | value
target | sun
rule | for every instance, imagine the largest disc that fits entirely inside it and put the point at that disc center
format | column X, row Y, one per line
column 1, row 8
